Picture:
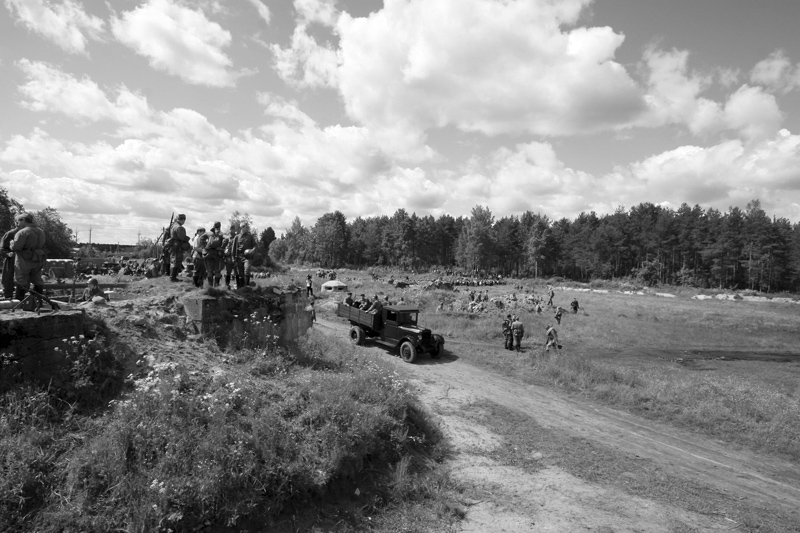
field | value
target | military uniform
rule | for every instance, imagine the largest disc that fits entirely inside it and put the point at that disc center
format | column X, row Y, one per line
column 178, row 240
column 517, row 330
column 574, row 305
column 227, row 257
column 508, row 341
column 28, row 247
column 198, row 246
column 551, row 338
column 7, row 258
column 559, row 312
column 242, row 246
column 212, row 254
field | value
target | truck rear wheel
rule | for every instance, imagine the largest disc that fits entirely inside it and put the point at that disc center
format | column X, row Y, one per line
column 357, row 335
column 408, row 352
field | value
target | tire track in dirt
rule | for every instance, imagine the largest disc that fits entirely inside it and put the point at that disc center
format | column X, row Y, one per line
column 768, row 480
column 739, row 473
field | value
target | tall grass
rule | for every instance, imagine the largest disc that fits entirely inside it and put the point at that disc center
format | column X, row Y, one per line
column 734, row 408
column 277, row 430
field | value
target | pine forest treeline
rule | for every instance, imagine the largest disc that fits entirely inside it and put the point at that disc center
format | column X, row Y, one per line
column 741, row 249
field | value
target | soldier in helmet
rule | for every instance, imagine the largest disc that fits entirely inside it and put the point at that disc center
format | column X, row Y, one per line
column 551, row 338
column 212, row 254
column 198, row 246
column 7, row 260
column 28, row 247
column 178, row 244
column 508, row 342
column 227, row 253
column 517, row 331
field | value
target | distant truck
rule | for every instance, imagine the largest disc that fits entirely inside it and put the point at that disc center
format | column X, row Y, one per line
column 396, row 327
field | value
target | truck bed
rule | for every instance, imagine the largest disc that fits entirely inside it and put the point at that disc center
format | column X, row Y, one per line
column 357, row 316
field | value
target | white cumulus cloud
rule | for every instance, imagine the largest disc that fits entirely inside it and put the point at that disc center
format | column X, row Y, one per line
column 178, row 40
column 65, row 23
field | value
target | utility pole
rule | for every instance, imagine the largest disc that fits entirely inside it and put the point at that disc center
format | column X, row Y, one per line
column 90, row 235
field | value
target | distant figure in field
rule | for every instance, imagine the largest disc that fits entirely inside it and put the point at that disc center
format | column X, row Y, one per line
column 551, row 338
column 517, row 331
column 559, row 313
column 550, row 294
column 574, row 305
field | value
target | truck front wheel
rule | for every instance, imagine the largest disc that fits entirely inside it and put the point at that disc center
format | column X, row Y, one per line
column 408, row 352
column 438, row 346
column 357, row 335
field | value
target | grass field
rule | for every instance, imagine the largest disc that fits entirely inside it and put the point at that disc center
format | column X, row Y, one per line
column 728, row 369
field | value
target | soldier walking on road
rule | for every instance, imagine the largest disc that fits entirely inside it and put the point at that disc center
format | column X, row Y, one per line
column 517, row 330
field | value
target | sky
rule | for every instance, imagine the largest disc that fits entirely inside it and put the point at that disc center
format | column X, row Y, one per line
column 120, row 113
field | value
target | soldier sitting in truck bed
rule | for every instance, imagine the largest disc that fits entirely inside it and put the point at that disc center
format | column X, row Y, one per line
column 376, row 306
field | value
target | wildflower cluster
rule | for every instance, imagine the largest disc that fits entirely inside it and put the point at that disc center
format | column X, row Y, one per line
column 260, row 331
column 92, row 370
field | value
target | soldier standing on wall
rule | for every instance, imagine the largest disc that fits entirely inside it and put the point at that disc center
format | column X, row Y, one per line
column 212, row 254
column 227, row 251
column 243, row 251
column 28, row 247
column 7, row 258
column 178, row 244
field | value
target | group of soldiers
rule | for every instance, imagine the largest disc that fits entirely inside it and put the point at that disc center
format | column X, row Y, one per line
column 513, row 329
column 374, row 306
column 211, row 251
column 23, row 258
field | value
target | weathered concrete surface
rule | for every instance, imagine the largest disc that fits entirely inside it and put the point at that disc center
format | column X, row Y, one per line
column 263, row 317
column 31, row 339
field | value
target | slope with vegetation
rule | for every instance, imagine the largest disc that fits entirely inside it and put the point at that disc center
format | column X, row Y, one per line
column 156, row 430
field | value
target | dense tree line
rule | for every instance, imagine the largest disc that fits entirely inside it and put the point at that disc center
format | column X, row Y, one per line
column 688, row 246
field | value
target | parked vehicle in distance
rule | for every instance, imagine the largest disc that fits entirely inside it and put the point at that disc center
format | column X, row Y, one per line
column 396, row 326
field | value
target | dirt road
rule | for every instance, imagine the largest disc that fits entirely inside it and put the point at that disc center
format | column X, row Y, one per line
column 552, row 497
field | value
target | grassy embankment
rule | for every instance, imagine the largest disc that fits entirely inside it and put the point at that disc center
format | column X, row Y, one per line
column 278, row 439
column 728, row 369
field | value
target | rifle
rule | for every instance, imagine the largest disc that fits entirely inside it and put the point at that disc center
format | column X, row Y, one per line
column 164, row 250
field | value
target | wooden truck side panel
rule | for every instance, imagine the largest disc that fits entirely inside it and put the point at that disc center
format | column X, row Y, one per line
column 357, row 316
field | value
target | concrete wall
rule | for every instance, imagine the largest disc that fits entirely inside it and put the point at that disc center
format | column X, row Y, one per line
column 31, row 339
column 250, row 320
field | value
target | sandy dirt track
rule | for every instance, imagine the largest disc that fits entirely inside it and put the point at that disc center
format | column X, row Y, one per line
column 553, row 500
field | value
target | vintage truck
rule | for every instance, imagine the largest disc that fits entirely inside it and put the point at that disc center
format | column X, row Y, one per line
column 395, row 326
